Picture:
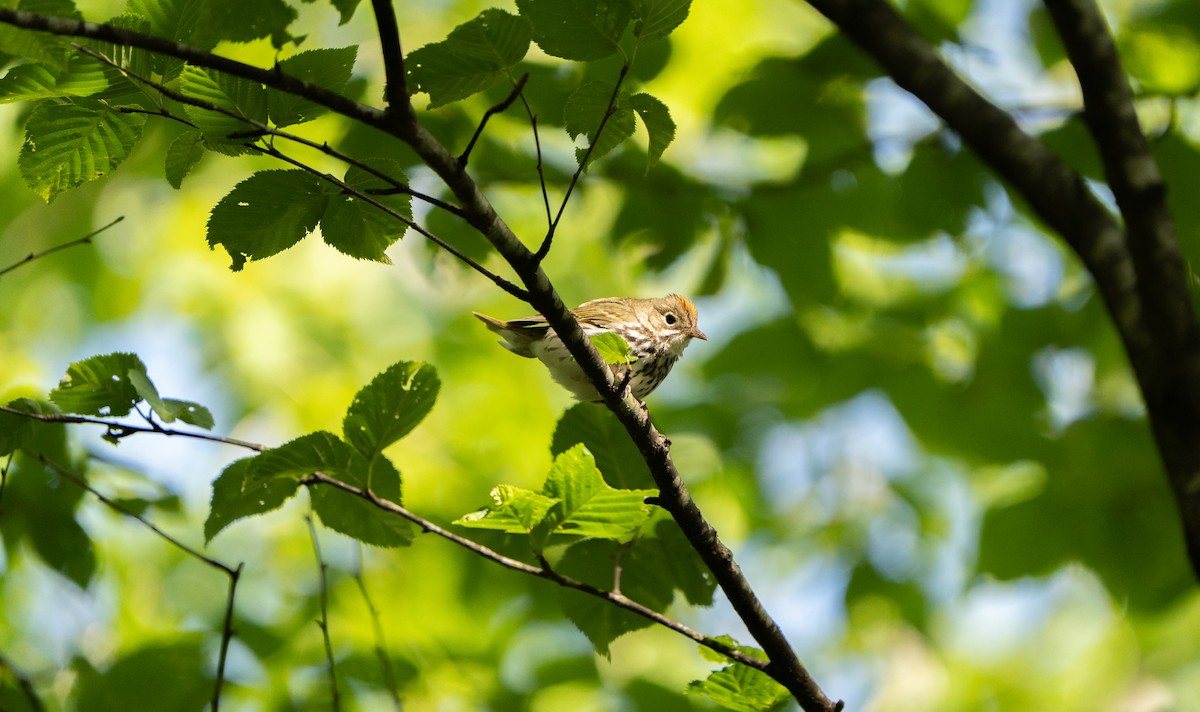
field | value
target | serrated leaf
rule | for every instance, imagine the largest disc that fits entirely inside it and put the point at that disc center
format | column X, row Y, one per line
column 514, row 510
column 247, row 100
column 233, row 498
column 584, row 113
column 316, row 452
column 741, row 688
column 359, row 229
column 658, row 18
column 69, row 144
column 582, row 30
column 587, row 506
column 357, row 518
column 265, row 214
column 39, row 46
column 656, row 117
column 599, row 430
column 182, row 156
column 241, row 21
column 345, row 9
column 327, row 68
column 190, row 412
column 99, row 385
column 613, row 348
column 185, row 21
column 32, row 82
column 390, row 406
column 595, row 562
column 475, row 55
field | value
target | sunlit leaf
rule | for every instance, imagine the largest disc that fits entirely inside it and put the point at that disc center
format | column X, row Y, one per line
column 587, row 506
column 513, row 510
column 242, row 100
column 182, row 156
column 100, row 385
column 390, row 406
column 327, row 68
column 69, row 144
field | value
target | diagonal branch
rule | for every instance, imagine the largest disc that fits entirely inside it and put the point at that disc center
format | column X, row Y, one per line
column 117, row 429
column 544, row 572
column 85, row 240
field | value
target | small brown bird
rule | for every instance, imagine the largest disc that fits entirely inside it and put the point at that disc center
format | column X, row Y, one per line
column 657, row 331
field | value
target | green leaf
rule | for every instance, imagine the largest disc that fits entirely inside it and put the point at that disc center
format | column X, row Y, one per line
column 31, row 82
column 595, row 562
column 327, row 68
column 99, row 385
column 583, row 30
column 613, row 348
column 354, row 516
column 599, row 430
column 345, row 9
column 513, row 510
column 69, row 144
column 359, row 229
column 241, row 21
column 233, row 498
column 742, row 688
column 265, row 214
column 182, row 156
column 190, row 412
column 475, row 55
column 246, row 100
column 189, row 22
column 587, row 506
column 658, row 18
column 16, row 430
column 658, row 122
column 316, row 452
column 584, row 112
column 390, row 406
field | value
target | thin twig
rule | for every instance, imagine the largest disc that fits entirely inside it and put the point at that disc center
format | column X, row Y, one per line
column 537, row 145
column 117, row 429
column 385, row 662
column 544, row 572
column 85, row 240
column 233, row 573
column 608, row 113
column 26, row 685
column 492, row 111
column 4, row 476
column 323, row 621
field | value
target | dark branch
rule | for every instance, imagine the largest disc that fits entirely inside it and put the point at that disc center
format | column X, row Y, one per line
column 120, row 430
column 26, row 685
column 85, row 240
column 396, row 87
column 227, row 633
column 498, row 108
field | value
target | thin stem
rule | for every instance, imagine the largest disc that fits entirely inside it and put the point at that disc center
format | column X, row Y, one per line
column 385, row 662
column 396, row 86
column 4, row 475
column 227, row 633
column 498, row 108
column 85, row 240
column 323, row 621
column 117, row 429
column 544, row 249
column 537, row 145
column 544, row 572
column 26, row 685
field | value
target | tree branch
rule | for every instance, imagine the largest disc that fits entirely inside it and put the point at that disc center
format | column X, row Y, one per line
column 1170, row 374
column 396, row 86
column 544, row 572
column 117, row 429
column 85, row 240
column 465, row 156
column 26, row 685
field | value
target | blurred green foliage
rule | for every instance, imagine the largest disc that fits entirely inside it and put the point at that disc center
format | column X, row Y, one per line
column 913, row 422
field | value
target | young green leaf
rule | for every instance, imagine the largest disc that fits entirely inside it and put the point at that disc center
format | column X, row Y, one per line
column 316, row 452
column 71, row 143
column 83, row 76
column 584, row 112
column 658, row 18
column 327, row 68
column 659, row 125
column 587, row 506
column 265, row 214
column 595, row 562
column 354, row 516
column 742, row 688
column 513, row 510
column 390, row 406
column 475, row 55
column 233, row 498
column 182, row 156
column 582, row 30
column 359, row 229
column 99, row 385
column 246, row 99
column 613, row 348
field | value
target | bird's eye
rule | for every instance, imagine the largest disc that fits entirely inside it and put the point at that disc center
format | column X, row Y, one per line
column 670, row 318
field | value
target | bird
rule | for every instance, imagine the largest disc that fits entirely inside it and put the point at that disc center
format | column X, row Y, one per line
column 657, row 331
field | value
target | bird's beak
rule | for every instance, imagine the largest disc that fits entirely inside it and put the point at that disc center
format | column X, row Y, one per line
column 695, row 333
